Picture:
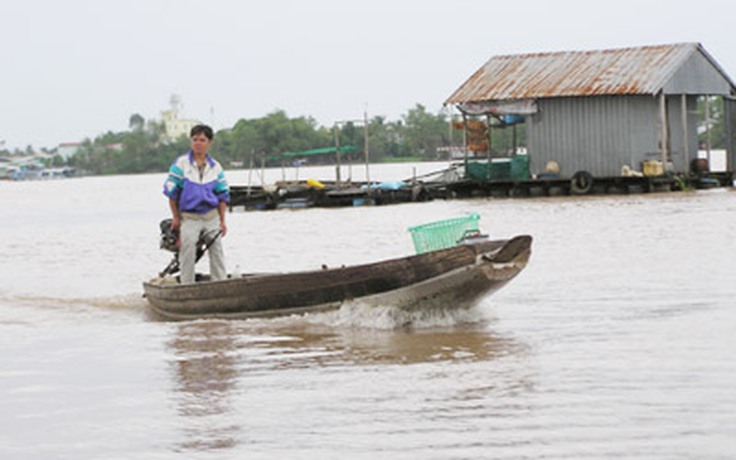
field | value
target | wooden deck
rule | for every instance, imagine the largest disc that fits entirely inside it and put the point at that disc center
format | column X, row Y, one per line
column 300, row 195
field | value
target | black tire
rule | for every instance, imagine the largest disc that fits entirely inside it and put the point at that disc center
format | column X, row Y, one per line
column 581, row 183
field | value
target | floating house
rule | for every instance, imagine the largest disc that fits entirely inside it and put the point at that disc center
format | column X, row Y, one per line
column 601, row 112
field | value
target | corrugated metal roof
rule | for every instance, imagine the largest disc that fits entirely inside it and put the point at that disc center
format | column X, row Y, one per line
column 640, row 70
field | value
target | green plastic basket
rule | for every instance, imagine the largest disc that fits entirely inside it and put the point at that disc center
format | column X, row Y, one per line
column 443, row 234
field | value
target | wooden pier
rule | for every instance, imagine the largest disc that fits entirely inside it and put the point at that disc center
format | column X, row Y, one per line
column 295, row 195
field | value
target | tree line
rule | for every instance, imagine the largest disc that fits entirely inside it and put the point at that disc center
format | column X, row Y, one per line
column 419, row 135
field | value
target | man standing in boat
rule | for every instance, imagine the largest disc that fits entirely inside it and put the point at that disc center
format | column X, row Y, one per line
column 198, row 196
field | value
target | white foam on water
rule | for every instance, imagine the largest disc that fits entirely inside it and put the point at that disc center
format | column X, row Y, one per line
column 385, row 317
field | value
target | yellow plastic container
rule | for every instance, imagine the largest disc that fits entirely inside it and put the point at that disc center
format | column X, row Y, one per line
column 314, row 183
column 652, row 168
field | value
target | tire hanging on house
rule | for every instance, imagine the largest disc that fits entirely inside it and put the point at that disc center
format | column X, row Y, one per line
column 581, row 183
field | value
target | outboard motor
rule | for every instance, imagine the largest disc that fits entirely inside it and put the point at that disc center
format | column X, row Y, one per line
column 170, row 242
column 169, row 236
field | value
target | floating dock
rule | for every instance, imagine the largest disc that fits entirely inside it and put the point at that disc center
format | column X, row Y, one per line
column 304, row 194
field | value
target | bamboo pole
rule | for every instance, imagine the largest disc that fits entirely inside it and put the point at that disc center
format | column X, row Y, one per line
column 663, row 129
column 250, row 172
column 365, row 148
column 685, row 147
column 337, row 155
column 707, row 127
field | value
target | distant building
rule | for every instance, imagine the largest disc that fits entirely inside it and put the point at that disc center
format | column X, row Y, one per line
column 68, row 149
column 598, row 111
column 175, row 127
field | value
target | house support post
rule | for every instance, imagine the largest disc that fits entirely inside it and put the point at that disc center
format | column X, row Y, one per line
column 664, row 135
column 685, row 146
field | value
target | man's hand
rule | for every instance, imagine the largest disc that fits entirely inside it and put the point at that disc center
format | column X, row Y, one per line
column 222, row 210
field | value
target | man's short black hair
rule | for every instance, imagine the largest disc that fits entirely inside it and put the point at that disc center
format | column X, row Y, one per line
column 202, row 129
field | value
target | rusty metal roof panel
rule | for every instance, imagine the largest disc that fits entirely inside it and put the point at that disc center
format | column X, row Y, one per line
column 625, row 71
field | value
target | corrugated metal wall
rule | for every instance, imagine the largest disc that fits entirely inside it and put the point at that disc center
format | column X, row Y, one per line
column 698, row 76
column 601, row 134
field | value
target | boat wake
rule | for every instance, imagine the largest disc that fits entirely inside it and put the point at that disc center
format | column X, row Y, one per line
column 117, row 303
column 361, row 315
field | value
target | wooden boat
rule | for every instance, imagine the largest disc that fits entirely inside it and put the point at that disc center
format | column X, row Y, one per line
column 456, row 277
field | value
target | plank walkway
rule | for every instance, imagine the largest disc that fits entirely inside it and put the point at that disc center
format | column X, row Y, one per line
column 301, row 195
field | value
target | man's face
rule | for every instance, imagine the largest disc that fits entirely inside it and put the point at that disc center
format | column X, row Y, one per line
column 200, row 144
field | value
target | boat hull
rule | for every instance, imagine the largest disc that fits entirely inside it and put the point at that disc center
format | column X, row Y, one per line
column 457, row 277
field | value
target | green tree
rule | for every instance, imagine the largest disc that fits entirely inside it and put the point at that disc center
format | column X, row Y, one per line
column 143, row 148
column 422, row 132
column 136, row 122
column 273, row 134
column 714, row 118
column 377, row 138
column 506, row 137
column 57, row 161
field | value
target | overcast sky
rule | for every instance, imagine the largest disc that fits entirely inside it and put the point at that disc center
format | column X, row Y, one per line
column 75, row 69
